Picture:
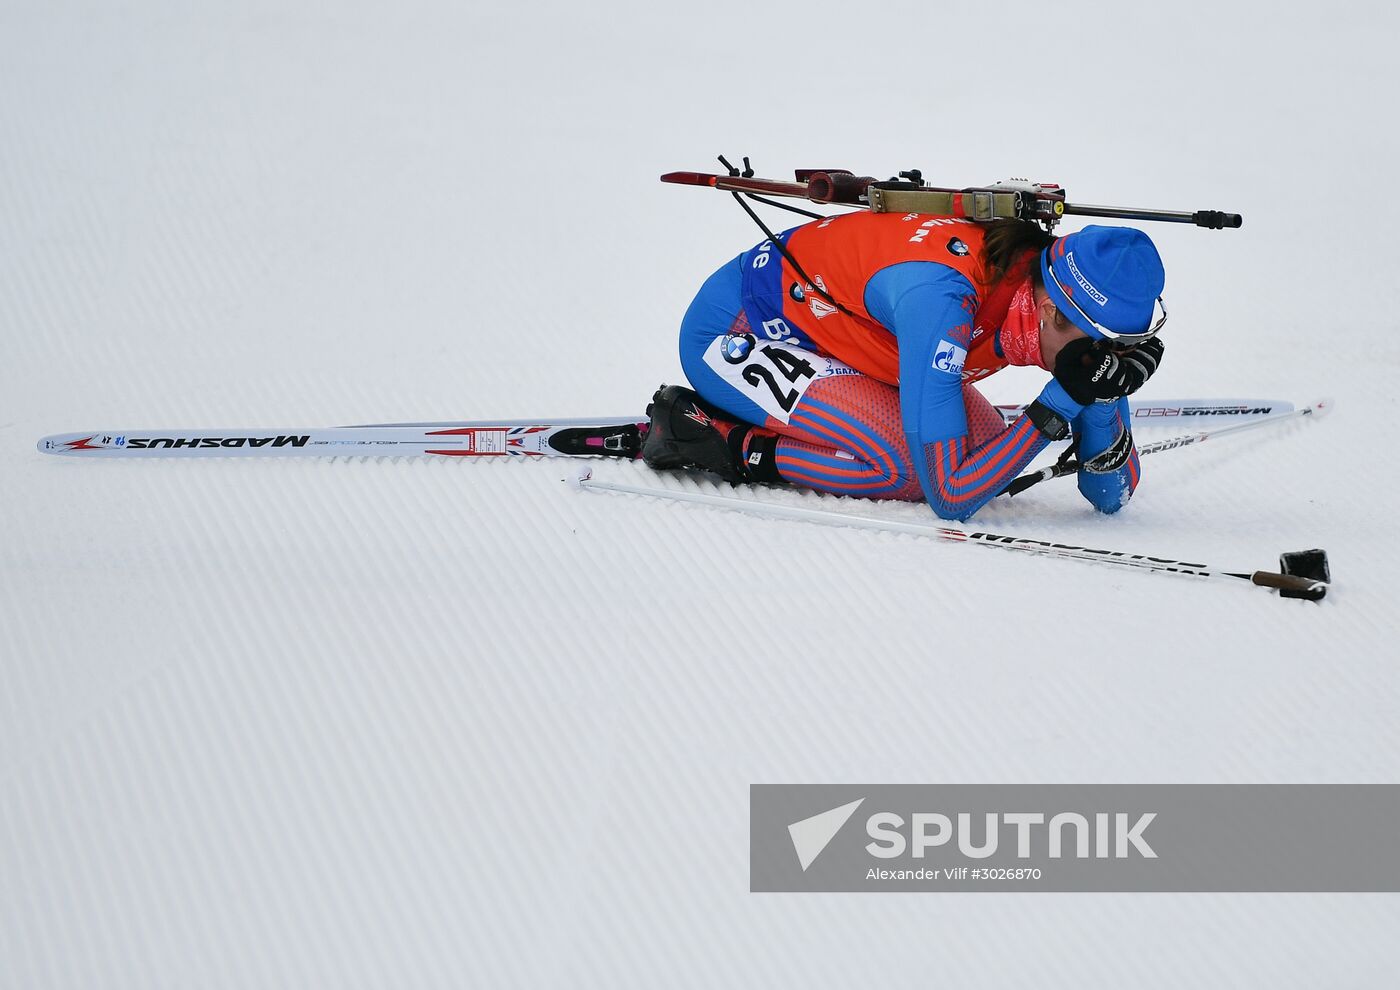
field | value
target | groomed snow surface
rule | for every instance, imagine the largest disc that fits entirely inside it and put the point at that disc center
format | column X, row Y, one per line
column 400, row 723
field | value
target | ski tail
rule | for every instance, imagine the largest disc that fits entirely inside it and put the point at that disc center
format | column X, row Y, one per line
column 616, row 437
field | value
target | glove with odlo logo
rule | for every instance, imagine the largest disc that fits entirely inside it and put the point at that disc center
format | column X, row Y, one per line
column 1091, row 371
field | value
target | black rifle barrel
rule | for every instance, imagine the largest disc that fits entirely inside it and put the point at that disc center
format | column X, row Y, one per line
column 1213, row 219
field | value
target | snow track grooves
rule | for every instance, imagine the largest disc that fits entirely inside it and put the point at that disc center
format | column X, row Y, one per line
column 403, row 654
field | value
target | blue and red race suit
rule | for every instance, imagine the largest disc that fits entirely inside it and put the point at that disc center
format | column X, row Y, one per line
column 917, row 323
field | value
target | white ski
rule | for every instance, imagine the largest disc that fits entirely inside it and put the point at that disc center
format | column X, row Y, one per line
column 611, row 436
column 618, row 436
column 1170, row 412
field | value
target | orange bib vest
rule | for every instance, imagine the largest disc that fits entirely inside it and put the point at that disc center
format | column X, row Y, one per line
column 840, row 254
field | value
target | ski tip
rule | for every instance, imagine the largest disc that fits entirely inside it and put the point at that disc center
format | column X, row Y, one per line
column 584, row 474
column 1321, row 407
column 72, row 443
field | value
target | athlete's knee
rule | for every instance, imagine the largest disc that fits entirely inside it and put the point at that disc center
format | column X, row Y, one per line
column 892, row 459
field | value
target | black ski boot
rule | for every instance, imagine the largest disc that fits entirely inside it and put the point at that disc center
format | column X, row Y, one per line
column 687, row 433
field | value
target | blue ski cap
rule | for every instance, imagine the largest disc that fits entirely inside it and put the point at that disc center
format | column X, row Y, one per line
column 1107, row 280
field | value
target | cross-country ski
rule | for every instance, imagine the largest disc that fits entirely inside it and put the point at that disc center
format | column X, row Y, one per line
column 596, row 436
column 600, row 437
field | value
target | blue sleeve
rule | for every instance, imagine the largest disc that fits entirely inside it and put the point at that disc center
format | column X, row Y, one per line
column 1108, row 460
column 929, row 307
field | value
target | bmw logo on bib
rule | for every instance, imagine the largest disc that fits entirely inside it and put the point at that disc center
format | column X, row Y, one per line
column 737, row 348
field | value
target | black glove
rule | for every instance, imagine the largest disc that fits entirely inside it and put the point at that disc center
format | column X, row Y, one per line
column 1091, row 371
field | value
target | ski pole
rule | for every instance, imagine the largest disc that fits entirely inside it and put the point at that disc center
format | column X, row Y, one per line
column 1295, row 586
column 1061, row 468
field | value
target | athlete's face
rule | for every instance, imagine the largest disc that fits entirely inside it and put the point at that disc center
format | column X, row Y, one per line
column 1053, row 336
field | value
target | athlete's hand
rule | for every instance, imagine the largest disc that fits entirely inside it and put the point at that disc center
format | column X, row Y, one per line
column 1092, row 371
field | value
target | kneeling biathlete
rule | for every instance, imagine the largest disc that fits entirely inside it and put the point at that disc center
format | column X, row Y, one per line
column 854, row 373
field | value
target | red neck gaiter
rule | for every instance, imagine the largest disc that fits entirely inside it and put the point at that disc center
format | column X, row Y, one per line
column 1020, row 331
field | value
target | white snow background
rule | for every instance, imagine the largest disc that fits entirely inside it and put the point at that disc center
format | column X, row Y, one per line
column 400, row 723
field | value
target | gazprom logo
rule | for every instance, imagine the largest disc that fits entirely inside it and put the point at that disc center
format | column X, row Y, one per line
column 949, row 357
column 1084, row 283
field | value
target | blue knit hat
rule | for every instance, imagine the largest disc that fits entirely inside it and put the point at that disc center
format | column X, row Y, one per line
column 1107, row 280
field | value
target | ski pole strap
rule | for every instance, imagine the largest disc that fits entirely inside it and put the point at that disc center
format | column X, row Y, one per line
column 1050, row 423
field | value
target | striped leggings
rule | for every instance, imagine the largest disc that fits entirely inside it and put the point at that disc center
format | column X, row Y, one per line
column 839, row 431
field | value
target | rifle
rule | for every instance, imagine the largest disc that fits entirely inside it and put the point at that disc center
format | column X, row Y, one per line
column 1015, row 199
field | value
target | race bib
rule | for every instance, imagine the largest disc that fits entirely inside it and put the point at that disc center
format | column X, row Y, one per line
column 774, row 376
